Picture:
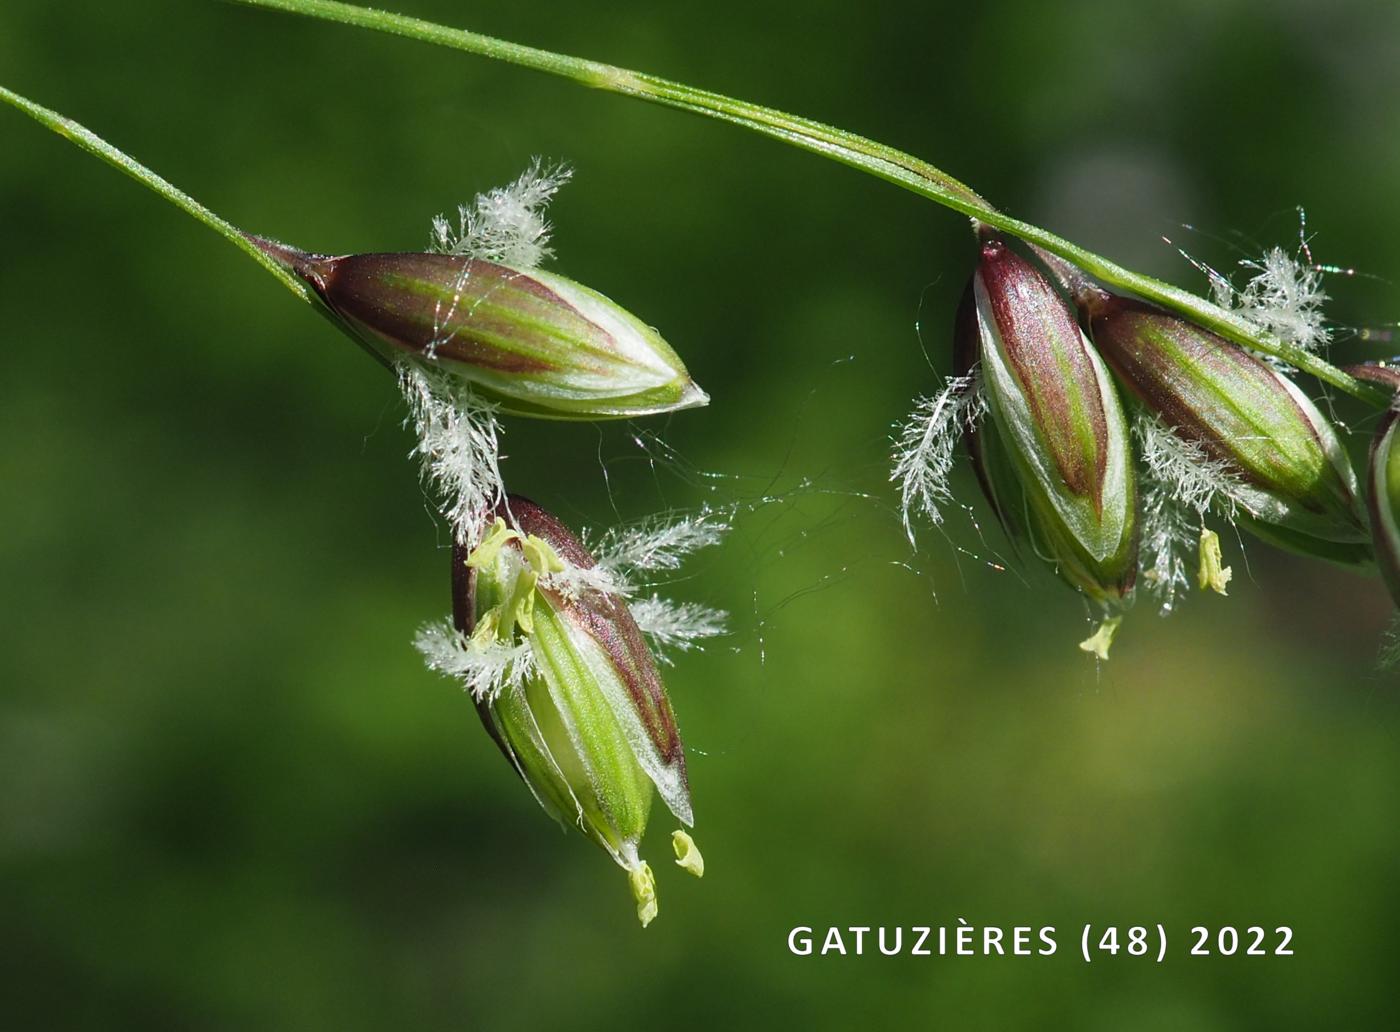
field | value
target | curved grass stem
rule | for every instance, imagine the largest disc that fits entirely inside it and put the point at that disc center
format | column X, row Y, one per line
column 869, row 156
column 94, row 144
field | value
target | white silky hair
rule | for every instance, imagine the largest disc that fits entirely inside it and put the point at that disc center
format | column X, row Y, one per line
column 924, row 444
column 505, row 224
column 673, row 626
column 625, row 556
column 1181, row 484
column 659, row 542
column 486, row 671
column 458, row 445
column 1191, row 478
column 1282, row 296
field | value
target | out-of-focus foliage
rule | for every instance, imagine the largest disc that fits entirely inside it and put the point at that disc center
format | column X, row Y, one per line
column 232, row 796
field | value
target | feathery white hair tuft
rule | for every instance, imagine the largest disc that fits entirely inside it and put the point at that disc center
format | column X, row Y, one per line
column 924, row 445
column 458, row 445
column 484, row 671
column 505, row 224
column 678, row 626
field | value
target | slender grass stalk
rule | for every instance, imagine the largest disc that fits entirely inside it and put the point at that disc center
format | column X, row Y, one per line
column 861, row 153
column 264, row 252
column 94, row 144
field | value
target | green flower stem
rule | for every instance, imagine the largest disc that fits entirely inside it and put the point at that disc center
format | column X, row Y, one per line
column 857, row 151
column 94, row 144
column 274, row 258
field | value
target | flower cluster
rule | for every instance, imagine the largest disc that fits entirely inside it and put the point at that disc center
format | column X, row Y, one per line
column 565, row 684
column 552, row 644
column 1106, row 433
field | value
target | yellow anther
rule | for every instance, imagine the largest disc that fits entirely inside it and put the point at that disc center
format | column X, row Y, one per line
column 1213, row 573
column 688, row 856
column 1102, row 639
column 523, row 601
column 643, row 891
column 541, row 556
column 496, row 538
column 486, row 629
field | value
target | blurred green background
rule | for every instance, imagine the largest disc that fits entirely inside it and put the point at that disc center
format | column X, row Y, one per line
column 233, row 798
